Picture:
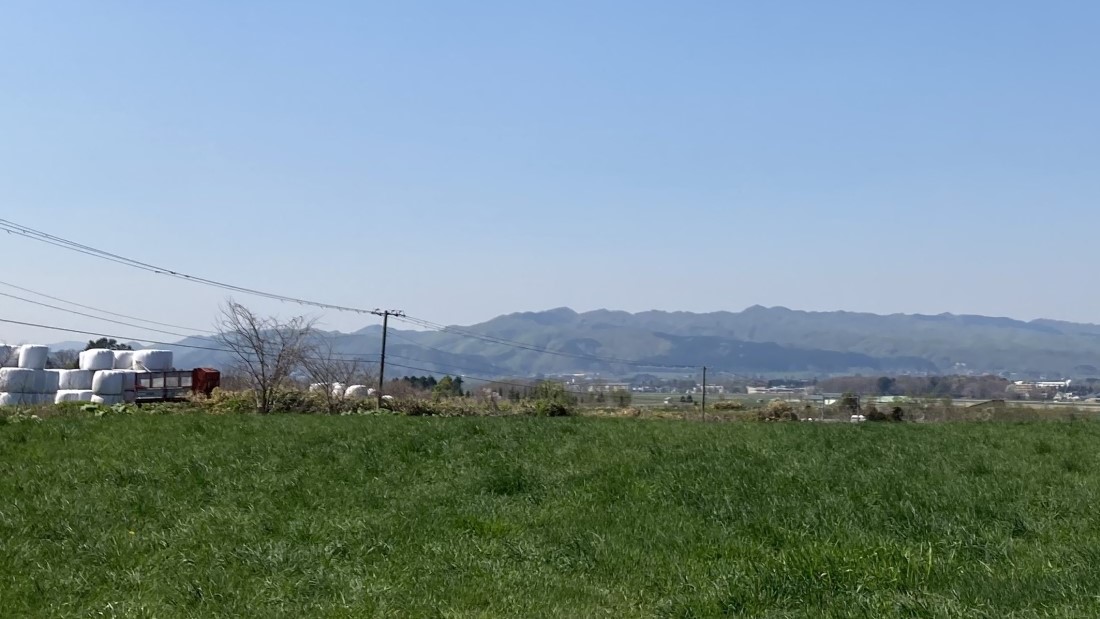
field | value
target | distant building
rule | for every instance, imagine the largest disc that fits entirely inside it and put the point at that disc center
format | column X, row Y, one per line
column 608, row 387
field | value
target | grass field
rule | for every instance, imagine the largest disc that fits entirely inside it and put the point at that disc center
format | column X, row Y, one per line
column 313, row 516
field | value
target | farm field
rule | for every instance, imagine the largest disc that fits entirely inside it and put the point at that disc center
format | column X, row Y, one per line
column 349, row 516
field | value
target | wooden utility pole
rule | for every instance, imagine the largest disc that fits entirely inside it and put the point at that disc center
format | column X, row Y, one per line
column 385, row 314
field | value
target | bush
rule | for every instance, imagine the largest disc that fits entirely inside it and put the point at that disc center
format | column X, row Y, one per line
column 729, row 405
column 874, row 414
column 777, row 410
column 439, row 407
column 550, row 399
column 551, row 408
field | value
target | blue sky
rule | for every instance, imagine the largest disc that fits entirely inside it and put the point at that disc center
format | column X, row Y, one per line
column 462, row 160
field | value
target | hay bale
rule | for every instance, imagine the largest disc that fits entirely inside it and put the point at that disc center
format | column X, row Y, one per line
column 97, row 359
column 124, row 359
column 33, row 357
column 109, row 382
column 152, row 360
column 73, row 395
column 17, row 380
column 74, row 380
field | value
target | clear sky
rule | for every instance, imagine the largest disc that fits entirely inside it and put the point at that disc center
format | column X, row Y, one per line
column 462, row 160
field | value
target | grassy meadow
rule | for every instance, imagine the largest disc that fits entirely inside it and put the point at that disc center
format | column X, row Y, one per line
column 390, row 516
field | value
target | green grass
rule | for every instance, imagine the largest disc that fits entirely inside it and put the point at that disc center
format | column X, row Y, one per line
column 311, row 516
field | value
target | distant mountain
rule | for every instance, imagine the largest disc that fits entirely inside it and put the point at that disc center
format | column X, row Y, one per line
column 758, row 340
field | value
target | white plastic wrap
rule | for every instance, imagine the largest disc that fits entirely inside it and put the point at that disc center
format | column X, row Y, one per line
column 358, row 392
column 9, row 356
column 73, row 395
column 74, row 379
column 97, row 359
column 317, row 388
column 50, row 382
column 338, row 390
column 124, row 359
column 33, row 357
column 108, row 400
column 15, row 399
column 109, row 382
column 17, row 380
column 152, row 360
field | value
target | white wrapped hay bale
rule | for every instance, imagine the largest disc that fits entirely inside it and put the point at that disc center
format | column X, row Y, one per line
column 17, row 380
column 33, row 357
column 124, row 359
column 74, row 379
column 50, row 382
column 358, row 392
column 73, row 395
column 338, row 390
column 97, row 359
column 152, row 360
column 317, row 388
column 108, row 400
column 13, row 399
column 19, row 399
column 109, row 382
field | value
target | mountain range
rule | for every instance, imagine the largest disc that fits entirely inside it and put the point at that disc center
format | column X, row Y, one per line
column 756, row 341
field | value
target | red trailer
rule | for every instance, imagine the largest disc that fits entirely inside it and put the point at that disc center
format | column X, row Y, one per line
column 176, row 385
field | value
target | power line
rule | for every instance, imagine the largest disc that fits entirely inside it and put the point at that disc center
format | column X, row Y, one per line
column 443, row 366
column 44, row 237
column 117, row 322
column 56, row 241
column 492, row 366
column 107, row 335
column 103, row 311
column 345, row 357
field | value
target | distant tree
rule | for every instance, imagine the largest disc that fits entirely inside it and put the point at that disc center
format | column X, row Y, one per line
column 448, row 387
column 107, row 343
column 885, row 385
column 848, row 403
column 326, row 367
column 64, row 360
column 265, row 351
column 621, row 397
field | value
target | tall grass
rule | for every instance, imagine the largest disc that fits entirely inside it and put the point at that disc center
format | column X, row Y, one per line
column 288, row 515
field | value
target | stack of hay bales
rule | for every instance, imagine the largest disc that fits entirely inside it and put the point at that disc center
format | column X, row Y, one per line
column 105, row 376
column 74, row 386
column 24, row 379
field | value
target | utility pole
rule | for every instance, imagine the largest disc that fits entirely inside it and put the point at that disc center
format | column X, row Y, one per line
column 385, row 314
column 704, row 393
